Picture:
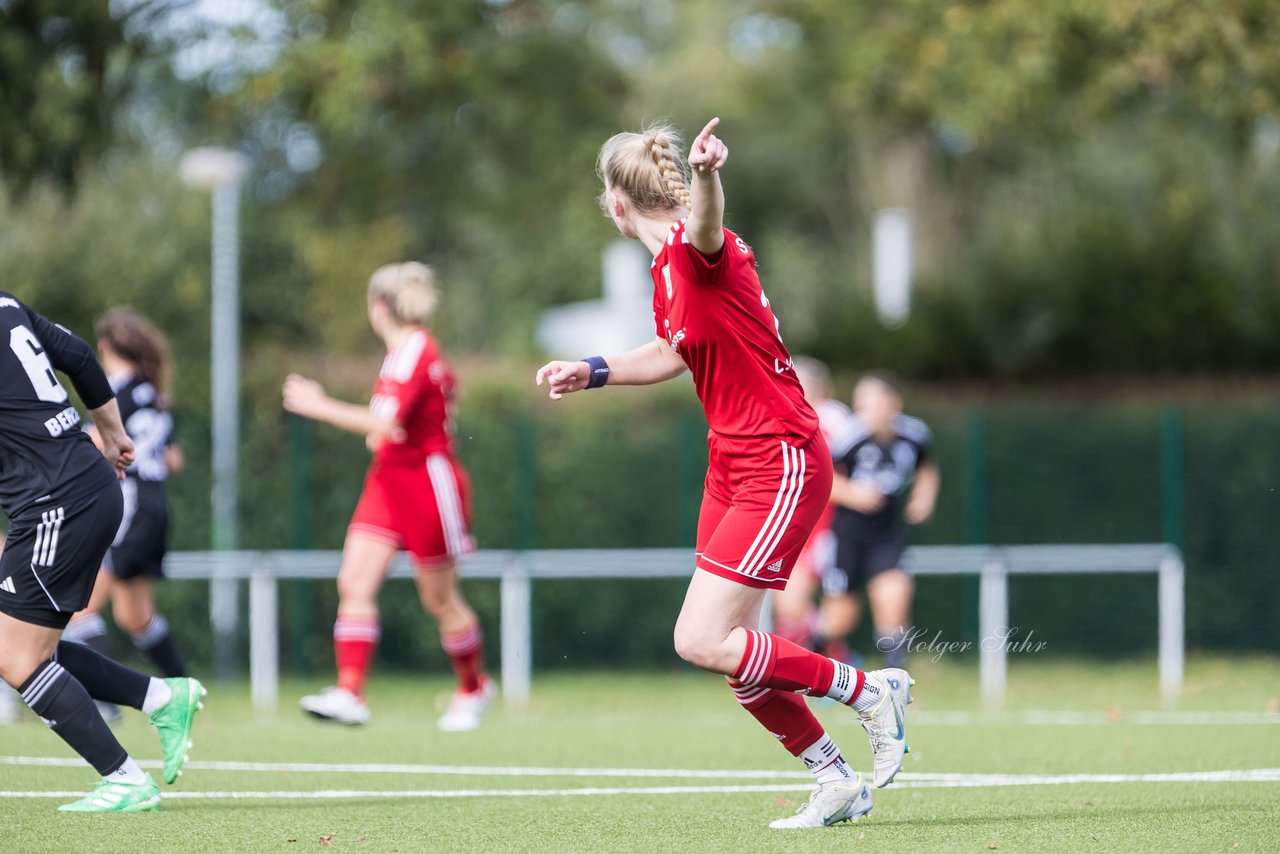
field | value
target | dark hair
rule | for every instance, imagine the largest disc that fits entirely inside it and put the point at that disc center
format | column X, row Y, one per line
column 141, row 344
column 888, row 379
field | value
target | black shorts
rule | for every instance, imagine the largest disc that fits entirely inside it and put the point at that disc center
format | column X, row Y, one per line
column 860, row 558
column 143, row 538
column 52, row 555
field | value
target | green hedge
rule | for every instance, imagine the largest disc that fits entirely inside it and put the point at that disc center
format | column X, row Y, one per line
column 624, row 469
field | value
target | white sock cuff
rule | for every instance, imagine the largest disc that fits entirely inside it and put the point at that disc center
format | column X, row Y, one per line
column 151, row 634
column 85, row 629
column 130, row 772
column 158, row 695
column 819, row 754
column 843, row 683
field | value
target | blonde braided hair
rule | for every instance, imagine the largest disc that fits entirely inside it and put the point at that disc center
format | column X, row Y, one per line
column 647, row 168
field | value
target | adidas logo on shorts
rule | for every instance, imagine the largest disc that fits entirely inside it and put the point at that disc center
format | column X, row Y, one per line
column 776, row 566
column 7, row 585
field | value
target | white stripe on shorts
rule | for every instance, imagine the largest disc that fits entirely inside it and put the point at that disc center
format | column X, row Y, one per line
column 449, row 503
column 773, row 511
column 784, row 507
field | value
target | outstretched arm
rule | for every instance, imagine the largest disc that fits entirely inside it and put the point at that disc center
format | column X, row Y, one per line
column 705, row 225
column 308, row 398
column 648, row 364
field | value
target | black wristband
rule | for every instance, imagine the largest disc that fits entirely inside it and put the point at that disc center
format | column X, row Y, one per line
column 597, row 371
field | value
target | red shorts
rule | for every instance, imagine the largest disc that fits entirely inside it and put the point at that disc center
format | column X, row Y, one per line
column 763, row 497
column 424, row 510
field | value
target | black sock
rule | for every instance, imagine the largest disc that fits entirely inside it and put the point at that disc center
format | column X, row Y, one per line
column 157, row 642
column 103, row 678
column 893, row 646
column 55, row 695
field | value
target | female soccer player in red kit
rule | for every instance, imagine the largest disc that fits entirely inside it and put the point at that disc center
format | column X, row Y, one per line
column 414, row 499
column 770, row 473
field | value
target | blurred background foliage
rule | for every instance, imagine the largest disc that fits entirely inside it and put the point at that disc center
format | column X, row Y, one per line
column 1095, row 186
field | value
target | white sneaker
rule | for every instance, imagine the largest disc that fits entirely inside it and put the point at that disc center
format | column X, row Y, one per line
column 336, row 704
column 885, row 723
column 830, row 805
column 467, row 710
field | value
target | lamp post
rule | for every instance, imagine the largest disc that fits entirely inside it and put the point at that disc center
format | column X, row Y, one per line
column 220, row 171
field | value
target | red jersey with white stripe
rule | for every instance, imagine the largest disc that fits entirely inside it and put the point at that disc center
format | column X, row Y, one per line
column 416, row 496
column 416, row 388
column 714, row 313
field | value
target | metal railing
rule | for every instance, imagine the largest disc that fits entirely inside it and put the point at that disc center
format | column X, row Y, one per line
column 516, row 571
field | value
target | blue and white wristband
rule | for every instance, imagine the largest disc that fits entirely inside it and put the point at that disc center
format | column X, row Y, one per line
column 597, row 371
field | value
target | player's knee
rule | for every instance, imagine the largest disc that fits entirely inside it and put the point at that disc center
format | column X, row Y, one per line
column 17, row 664
column 355, row 589
column 437, row 601
column 697, row 647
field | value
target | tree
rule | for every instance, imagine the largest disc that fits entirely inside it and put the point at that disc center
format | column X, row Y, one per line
column 66, row 70
column 458, row 132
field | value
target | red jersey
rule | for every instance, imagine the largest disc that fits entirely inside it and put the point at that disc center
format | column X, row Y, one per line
column 415, row 388
column 714, row 313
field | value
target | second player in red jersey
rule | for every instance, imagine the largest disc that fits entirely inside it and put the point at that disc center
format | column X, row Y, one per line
column 415, row 499
column 769, row 475
column 427, row 516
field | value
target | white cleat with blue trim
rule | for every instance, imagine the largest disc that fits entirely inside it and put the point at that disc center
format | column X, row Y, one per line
column 830, row 805
column 885, row 723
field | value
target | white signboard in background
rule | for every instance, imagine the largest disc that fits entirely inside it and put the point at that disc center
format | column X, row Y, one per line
column 621, row 320
column 891, row 259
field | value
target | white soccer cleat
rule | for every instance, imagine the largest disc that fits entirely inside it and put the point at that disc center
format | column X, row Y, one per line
column 466, row 711
column 336, row 704
column 886, row 723
column 830, row 805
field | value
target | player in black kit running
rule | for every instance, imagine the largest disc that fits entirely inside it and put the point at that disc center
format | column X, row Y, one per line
column 881, row 456
column 135, row 355
column 63, row 500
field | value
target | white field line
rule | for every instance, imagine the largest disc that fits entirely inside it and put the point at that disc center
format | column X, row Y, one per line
column 921, row 779
column 1046, row 718
column 1261, row 775
column 444, row 770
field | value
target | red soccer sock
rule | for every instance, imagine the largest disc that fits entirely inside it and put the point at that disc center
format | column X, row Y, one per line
column 466, row 653
column 785, row 715
column 354, row 640
column 773, row 662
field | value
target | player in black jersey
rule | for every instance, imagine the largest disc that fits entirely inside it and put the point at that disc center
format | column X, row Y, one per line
column 135, row 355
column 880, row 456
column 62, row 497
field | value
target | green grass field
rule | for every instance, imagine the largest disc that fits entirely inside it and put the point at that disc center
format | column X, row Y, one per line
column 582, row 732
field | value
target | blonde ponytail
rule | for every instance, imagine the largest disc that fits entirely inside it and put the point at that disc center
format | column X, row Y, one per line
column 408, row 289
column 647, row 168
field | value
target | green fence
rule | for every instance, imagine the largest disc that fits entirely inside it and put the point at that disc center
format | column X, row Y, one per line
column 625, row 470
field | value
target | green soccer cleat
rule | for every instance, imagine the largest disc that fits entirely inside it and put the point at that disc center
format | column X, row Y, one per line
column 110, row 796
column 173, row 720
